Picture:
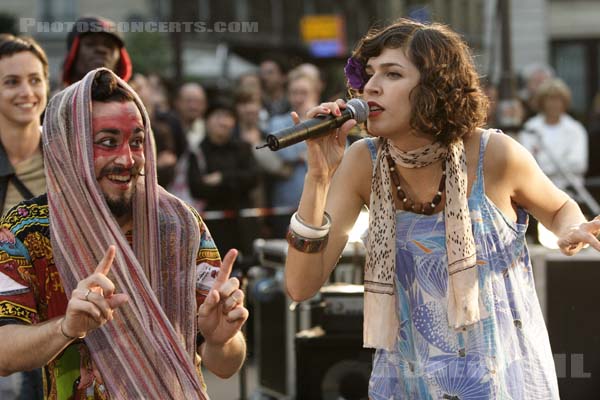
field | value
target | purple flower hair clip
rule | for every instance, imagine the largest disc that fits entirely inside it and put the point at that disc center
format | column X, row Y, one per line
column 355, row 73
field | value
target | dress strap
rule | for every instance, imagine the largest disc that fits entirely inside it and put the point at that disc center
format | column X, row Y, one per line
column 485, row 137
column 372, row 144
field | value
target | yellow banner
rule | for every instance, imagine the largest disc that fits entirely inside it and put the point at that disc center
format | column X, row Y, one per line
column 322, row 27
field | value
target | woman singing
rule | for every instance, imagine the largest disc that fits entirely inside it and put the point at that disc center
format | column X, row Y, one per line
column 450, row 303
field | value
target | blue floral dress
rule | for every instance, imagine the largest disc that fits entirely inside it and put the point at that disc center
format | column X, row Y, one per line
column 506, row 355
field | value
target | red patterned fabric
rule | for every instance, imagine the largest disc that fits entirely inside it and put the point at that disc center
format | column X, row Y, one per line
column 31, row 292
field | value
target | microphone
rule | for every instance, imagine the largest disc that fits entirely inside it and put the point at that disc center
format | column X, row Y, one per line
column 356, row 109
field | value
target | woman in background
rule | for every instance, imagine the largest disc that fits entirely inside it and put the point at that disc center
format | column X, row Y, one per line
column 23, row 97
column 558, row 142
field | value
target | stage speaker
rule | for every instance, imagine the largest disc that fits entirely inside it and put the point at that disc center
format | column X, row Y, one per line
column 570, row 299
column 331, row 367
column 275, row 327
column 277, row 319
column 573, row 298
column 270, row 334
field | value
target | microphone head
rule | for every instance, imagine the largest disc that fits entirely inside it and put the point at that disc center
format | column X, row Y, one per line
column 359, row 108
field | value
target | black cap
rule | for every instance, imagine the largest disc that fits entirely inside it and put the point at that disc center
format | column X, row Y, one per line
column 94, row 25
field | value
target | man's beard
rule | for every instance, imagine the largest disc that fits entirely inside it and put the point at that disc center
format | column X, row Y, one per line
column 120, row 207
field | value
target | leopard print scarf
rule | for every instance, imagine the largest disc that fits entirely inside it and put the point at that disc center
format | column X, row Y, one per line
column 381, row 319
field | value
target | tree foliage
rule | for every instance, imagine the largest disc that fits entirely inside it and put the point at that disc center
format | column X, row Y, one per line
column 150, row 52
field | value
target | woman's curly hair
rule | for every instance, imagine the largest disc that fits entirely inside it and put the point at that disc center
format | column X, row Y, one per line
column 448, row 101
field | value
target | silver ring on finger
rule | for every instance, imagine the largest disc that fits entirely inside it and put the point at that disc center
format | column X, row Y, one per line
column 87, row 294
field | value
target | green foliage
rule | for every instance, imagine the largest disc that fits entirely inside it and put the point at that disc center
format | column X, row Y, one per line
column 150, row 52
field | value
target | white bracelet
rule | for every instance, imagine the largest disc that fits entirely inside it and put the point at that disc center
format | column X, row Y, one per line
column 303, row 229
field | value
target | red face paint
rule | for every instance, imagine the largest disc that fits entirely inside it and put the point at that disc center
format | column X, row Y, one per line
column 118, row 149
column 119, row 122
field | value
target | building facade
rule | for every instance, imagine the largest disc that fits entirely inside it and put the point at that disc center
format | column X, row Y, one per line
column 562, row 33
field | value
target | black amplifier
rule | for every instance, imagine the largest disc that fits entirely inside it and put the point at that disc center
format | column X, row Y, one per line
column 342, row 308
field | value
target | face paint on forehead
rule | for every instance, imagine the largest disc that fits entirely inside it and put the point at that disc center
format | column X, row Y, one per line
column 115, row 115
column 117, row 128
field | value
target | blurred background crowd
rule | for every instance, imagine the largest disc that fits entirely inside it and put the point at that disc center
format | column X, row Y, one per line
column 217, row 76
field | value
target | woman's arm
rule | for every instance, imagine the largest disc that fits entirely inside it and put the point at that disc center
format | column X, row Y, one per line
column 519, row 176
column 333, row 183
column 305, row 273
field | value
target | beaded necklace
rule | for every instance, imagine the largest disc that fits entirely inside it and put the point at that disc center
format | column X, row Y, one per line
column 407, row 203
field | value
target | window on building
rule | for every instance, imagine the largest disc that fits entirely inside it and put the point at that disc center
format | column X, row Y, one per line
column 577, row 62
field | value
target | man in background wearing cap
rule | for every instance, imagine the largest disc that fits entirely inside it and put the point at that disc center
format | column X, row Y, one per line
column 95, row 42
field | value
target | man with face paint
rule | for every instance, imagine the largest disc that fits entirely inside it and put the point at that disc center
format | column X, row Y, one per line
column 110, row 276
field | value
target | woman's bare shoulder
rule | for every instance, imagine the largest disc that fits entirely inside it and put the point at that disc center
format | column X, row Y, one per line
column 358, row 155
column 503, row 151
column 356, row 168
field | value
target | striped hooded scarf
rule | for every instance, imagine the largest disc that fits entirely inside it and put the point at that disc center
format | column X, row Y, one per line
column 149, row 349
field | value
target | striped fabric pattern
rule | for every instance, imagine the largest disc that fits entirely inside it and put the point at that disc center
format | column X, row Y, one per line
column 148, row 350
